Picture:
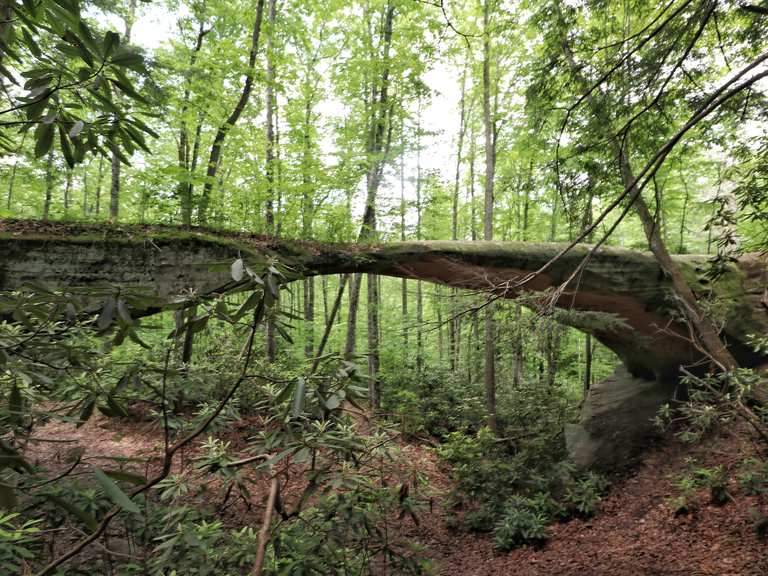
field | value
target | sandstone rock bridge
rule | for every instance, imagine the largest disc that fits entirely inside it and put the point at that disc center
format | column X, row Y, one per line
column 650, row 341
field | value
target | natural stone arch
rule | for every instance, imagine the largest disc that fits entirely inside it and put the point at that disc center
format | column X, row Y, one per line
column 651, row 343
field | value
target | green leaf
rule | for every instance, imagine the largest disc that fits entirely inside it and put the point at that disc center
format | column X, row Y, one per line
column 111, row 42
column 77, row 127
column 285, row 392
column 114, row 492
column 84, row 517
column 128, row 58
column 86, row 412
column 123, row 476
column 66, row 148
column 252, row 301
column 44, row 139
column 298, row 397
column 333, row 402
column 283, row 333
column 30, row 42
column 237, row 270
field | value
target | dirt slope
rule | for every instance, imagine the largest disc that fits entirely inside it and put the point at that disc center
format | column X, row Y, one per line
column 635, row 534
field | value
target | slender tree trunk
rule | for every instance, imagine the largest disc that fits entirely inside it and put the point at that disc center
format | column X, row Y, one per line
column 99, row 184
column 373, row 341
column 404, row 282
column 681, row 243
column 379, row 139
column 472, row 206
column 270, row 111
column 185, row 185
column 454, row 325
column 309, row 317
column 587, row 362
column 439, row 313
column 324, row 283
column 307, row 218
column 489, row 374
column 114, row 193
column 518, row 360
column 114, row 189
column 67, row 191
column 271, row 345
column 48, row 185
column 354, row 297
column 12, row 179
column 11, row 182
column 419, row 291
column 214, row 158
column 85, row 190
column 329, row 322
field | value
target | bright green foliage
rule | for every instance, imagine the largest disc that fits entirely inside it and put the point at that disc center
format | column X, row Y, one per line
column 15, row 538
column 753, row 478
column 584, row 494
column 715, row 480
column 521, row 523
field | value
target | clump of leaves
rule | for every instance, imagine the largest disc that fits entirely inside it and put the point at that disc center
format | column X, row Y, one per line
column 583, row 495
column 714, row 479
column 523, row 522
column 753, row 477
column 685, row 501
column 483, row 474
column 16, row 542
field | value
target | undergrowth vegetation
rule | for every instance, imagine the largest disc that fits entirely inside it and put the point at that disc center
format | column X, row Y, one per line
column 333, row 490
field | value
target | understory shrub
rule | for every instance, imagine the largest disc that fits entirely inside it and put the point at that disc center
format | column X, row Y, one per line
column 523, row 521
column 505, row 495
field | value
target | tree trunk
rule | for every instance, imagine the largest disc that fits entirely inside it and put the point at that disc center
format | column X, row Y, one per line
column 309, row 317
column 404, row 281
column 185, row 184
column 114, row 193
column 354, row 297
column 379, row 140
column 587, row 363
column 270, row 156
column 48, row 185
column 489, row 373
column 85, row 190
column 214, row 157
column 67, row 191
column 99, row 184
column 703, row 328
column 454, row 325
column 114, row 189
column 373, row 341
column 12, row 179
column 419, row 290
column 270, row 112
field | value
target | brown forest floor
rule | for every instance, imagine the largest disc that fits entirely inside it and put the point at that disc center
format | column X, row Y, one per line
column 634, row 534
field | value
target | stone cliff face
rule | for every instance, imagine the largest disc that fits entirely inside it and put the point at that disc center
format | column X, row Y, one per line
column 627, row 285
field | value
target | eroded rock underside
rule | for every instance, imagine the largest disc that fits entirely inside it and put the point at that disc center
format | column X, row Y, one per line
column 621, row 297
